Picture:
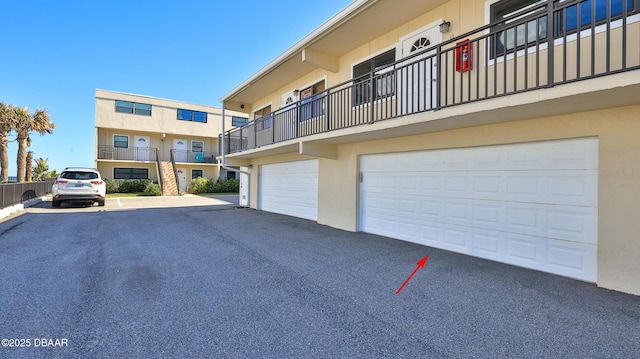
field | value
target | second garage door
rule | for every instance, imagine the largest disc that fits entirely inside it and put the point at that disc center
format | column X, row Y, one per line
column 532, row 205
column 290, row 188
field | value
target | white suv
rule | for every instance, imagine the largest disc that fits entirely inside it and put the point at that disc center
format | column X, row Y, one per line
column 77, row 184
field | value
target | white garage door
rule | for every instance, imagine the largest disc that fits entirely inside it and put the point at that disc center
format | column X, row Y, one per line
column 290, row 188
column 533, row 205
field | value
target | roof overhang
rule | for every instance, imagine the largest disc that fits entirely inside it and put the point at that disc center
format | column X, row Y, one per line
column 359, row 23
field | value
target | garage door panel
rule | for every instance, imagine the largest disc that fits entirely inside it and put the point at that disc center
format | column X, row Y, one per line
column 488, row 215
column 538, row 219
column 562, row 155
column 523, row 250
column 573, row 224
column 456, row 238
column 573, row 155
column 487, row 245
column 548, row 186
column 523, row 204
column 579, row 189
column 572, row 259
column 290, row 188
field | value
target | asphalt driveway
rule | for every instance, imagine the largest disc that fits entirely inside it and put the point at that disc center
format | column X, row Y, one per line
column 174, row 278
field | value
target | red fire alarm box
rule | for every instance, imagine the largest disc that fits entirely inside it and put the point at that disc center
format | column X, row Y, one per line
column 464, row 54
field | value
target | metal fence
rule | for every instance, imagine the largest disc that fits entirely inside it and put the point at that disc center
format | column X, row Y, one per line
column 549, row 44
column 14, row 193
column 127, row 154
column 194, row 157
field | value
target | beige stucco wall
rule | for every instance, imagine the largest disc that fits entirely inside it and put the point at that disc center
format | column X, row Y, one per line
column 162, row 128
column 163, row 117
column 617, row 129
column 466, row 16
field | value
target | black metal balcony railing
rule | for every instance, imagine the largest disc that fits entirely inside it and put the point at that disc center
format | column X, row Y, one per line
column 152, row 154
column 551, row 44
column 194, row 157
column 126, row 154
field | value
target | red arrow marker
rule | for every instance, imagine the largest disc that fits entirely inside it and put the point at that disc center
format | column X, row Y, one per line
column 420, row 265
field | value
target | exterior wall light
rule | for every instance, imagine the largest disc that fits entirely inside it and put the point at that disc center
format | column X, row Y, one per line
column 444, row 27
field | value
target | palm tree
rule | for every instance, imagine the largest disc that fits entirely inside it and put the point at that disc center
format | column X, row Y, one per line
column 41, row 169
column 28, row 171
column 6, row 118
column 24, row 124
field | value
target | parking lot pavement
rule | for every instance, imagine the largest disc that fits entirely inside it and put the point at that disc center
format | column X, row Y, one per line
column 217, row 281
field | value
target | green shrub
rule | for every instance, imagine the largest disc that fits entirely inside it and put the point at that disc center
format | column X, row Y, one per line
column 113, row 186
column 152, row 189
column 201, row 185
column 128, row 185
column 206, row 185
column 226, row 186
column 142, row 184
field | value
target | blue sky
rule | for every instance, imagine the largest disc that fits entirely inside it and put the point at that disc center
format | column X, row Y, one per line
column 56, row 53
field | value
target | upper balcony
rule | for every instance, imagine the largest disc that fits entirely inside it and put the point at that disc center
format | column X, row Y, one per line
column 145, row 154
column 546, row 46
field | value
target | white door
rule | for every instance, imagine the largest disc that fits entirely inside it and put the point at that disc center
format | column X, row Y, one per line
column 244, row 187
column 182, row 178
column 533, row 205
column 417, row 76
column 180, row 150
column 290, row 188
column 141, row 148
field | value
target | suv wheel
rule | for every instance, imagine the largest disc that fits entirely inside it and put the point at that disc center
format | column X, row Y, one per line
column 55, row 203
column 101, row 203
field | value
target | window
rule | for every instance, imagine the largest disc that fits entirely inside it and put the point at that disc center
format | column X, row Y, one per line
column 239, row 121
column 121, row 141
column 263, row 118
column 77, row 175
column 197, row 146
column 130, row 173
column 508, row 37
column 195, row 116
column 383, row 82
column 312, row 101
column 133, row 107
column 568, row 19
column 196, row 174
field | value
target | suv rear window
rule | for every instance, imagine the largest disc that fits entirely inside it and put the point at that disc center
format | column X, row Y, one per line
column 79, row 175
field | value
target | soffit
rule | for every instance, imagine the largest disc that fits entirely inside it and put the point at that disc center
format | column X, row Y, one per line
column 360, row 27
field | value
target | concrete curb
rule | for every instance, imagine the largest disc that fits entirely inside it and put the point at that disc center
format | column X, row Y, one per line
column 7, row 211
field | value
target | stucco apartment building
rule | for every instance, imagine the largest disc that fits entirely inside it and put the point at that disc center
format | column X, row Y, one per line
column 503, row 129
column 168, row 141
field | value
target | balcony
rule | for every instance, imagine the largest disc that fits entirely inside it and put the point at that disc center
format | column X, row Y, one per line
column 194, row 157
column 549, row 45
column 144, row 154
